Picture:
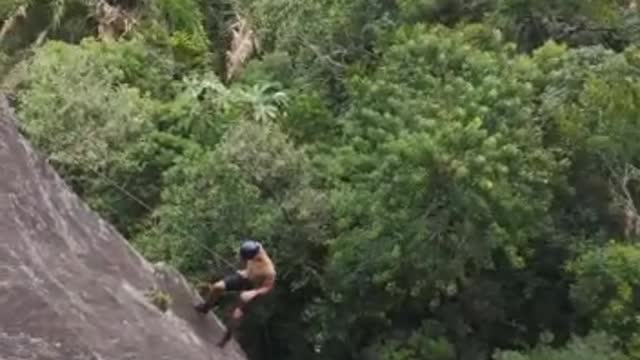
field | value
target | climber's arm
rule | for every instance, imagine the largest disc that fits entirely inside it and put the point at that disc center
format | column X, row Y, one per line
column 243, row 273
column 266, row 287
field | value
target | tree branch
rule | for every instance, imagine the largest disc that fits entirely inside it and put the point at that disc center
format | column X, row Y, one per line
column 10, row 23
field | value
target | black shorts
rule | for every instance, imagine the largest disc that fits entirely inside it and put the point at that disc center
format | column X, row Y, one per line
column 237, row 282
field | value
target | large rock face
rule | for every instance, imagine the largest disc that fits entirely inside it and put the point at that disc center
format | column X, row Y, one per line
column 71, row 287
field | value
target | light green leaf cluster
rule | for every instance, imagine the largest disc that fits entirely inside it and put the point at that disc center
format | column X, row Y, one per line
column 606, row 290
column 597, row 346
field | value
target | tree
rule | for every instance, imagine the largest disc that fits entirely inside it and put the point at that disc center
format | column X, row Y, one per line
column 595, row 346
column 439, row 170
column 607, row 289
column 254, row 184
column 577, row 22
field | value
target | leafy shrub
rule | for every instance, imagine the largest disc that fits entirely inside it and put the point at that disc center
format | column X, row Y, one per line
column 597, row 346
column 160, row 299
column 607, row 291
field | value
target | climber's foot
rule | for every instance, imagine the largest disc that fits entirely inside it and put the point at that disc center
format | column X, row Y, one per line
column 202, row 308
column 225, row 339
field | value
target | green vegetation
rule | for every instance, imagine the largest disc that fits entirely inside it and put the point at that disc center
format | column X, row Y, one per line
column 435, row 179
column 160, row 299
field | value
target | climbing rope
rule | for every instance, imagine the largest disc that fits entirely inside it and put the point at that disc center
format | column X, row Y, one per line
column 136, row 199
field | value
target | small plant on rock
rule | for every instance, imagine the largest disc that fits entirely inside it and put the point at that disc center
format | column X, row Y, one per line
column 160, row 299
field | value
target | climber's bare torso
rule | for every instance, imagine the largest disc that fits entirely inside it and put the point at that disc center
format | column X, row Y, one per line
column 256, row 279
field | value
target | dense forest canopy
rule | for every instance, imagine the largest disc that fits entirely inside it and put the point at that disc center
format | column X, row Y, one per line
column 435, row 179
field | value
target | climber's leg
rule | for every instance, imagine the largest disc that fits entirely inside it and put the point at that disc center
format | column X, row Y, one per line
column 211, row 298
column 234, row 323
column 237, row 283
column 233, row 282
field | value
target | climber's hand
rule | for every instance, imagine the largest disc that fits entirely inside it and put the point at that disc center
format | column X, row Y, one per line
column 247, row 296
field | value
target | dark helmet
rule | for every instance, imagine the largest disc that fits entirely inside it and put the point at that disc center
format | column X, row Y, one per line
column 249, row 249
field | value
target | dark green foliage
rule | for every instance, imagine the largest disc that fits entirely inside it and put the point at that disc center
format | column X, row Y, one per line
column 607, row 291
column 597, row 346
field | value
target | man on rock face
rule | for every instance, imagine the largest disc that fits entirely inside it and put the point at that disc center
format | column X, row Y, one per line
column 257, row 278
